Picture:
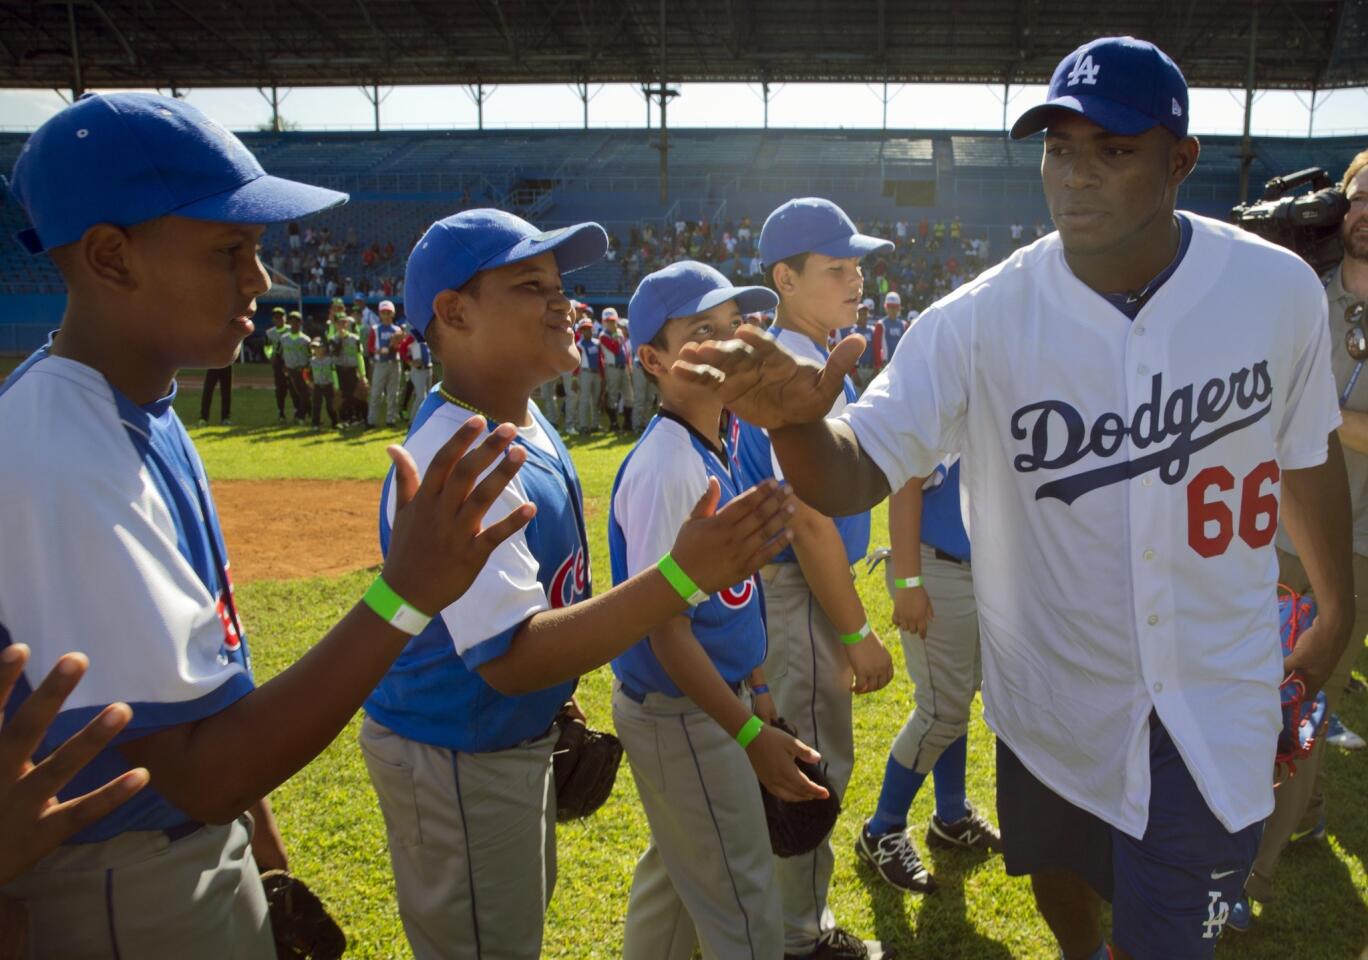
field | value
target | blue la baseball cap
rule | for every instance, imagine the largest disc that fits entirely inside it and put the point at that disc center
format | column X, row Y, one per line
column 125, row 158
column 455, row 249
column 683, row 289
column 1121, row 84
column 814, row 225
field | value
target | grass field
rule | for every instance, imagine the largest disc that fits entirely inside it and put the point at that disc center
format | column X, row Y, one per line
column 334, row 830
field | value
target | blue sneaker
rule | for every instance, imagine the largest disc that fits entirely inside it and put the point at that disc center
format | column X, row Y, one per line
column 1241, row 916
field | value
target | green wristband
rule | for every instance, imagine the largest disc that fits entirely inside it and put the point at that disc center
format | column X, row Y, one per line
column 749, row 731
column 850, row 639
column 671, row 570
column 907, row 583
column 391, row 608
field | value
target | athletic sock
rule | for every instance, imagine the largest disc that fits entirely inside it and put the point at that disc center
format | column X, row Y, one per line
column 900, row 786
column 949, row 781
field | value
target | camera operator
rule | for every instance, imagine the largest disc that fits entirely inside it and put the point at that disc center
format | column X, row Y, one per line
column 1299, row 810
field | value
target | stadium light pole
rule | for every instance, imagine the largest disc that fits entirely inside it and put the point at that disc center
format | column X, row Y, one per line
column 1246, row 147
column 77, row 84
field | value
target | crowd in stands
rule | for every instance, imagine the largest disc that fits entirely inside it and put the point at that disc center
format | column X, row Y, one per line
column 318, row 263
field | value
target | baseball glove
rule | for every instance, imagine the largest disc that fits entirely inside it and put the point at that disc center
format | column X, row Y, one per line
column 585, row 764
column 1303, row 719
column 303, row 930
column 798, row 827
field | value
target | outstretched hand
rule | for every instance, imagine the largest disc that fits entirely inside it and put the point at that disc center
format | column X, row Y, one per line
column 438, row 541
column 763, row 383
column 721, row 548
column 32, row 820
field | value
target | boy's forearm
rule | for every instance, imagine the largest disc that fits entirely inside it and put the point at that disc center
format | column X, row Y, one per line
column 559, row 645
column 824, row 463
column 215, row 768
column 822, row 557
column 688, row 665
column 1353, row 432
column 904, row 529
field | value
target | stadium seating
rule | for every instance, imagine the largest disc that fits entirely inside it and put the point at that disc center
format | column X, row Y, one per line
column 402, row 181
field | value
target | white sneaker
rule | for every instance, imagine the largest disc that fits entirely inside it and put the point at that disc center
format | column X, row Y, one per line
column 1337, row 734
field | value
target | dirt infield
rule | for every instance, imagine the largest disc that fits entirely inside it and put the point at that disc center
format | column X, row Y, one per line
column 289, row 529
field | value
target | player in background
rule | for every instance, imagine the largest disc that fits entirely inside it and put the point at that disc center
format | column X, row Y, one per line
column 628, row 384
column 613, row 351
column 323, row 377
column 929, row 563
column 590, row 384
column 295, row 350
column 276, row 357
column 691, row 703
column 401, row 355
column 458, row 735
column 119, row 499
column 351, row 364
column 221, row 377
column 821, row 645
column 872, row 359
column 891, row 326
column 1299, row 810
column 418, row 356
column 1137, row 399
column 384, row 390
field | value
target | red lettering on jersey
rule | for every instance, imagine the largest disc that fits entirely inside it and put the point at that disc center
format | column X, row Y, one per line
column 570, row 582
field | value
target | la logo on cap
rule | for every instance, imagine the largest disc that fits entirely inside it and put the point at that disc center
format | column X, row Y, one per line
column 1084, row 70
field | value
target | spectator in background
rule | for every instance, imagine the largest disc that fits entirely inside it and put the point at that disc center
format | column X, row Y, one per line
column 292, row 231
column 1039, row 229
column 351, row 238
column 389, row 250
column 1018, row 234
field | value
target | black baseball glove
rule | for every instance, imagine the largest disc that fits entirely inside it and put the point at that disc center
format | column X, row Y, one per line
column 798, row 827
column 303, row 930
column 585, row 764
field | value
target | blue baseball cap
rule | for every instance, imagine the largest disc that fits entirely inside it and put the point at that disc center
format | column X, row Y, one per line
column 814, row 225
column 126, row 158
column 455, row 249
column 1121, row 84
column 683, row 289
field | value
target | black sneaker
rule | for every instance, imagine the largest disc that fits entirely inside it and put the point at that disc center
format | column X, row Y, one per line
column 838, row 944
column 894, row 858
column 970, row 832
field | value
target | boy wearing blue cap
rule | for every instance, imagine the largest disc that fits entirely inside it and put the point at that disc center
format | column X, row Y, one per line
column 153, row 213
column 821, row 646
column 458, row 735
column 685, row 695
column 1136, row 399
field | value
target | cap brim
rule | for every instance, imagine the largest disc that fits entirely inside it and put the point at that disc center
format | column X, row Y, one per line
column 266, row 199
column 1107, row 114
column 855, row 245
column 575, row 247
column 748, row 300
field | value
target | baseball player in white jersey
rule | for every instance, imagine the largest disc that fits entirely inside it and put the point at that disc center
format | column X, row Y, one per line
column 1135, row 399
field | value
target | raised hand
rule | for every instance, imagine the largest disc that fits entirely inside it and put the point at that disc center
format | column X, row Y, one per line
column 763, row 383
column 772, row 755
column 438, row 541
column 32, row 820
column 721, row 548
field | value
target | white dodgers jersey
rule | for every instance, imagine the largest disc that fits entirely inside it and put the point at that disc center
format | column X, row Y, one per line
column 1122, row 482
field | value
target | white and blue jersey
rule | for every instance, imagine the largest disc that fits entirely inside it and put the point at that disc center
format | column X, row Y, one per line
column 434, row 693
column 893, row 330
column 591, row 354
column 866, row 358
column 383, row 336
column 112, row 547
column 654, row 493
column 942, row 522
column 755, row 460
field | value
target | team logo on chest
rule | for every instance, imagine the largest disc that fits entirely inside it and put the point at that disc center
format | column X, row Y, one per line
column 734, row 598
column 570, row 582
column 1058, row 436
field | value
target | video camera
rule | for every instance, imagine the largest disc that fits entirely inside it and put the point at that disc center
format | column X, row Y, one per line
column 1307, row 224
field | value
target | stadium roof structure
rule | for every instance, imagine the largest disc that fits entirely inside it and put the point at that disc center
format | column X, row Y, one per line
column 1299, row 44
